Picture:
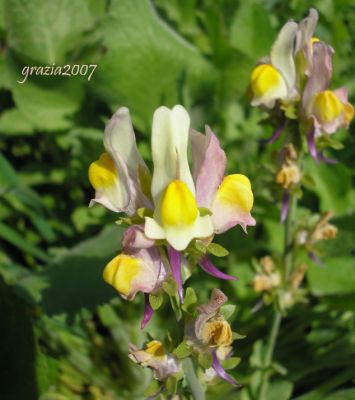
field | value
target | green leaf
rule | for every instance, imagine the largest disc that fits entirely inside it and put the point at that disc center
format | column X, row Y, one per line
column 46, row 102
column 17, row 240
column 205, row 360
column 190, row 301
column 337, row 276
column 171, row 385
column 204, row 211
column 280, row 390
column 45, row 31
column 183, row 350
column 251, row 30
column 152, row 389
column 79, row 271
column 217, row 250
column 156, row 300
column 332, row 184
column 231, row 362
column 14, row 122
column 151, row 57
column 228, row 310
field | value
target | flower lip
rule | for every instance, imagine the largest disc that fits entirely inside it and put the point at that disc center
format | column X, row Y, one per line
column 103, row 172
column 264, row 78
column 178, row 205
column 327, row 106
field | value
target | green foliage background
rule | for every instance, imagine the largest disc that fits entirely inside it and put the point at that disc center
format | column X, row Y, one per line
column 64, row 333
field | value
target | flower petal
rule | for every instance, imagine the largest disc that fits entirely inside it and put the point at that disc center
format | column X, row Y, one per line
column 209, row 165
column 134, row 238
column 281, row 55
column 220, row 370
column 208, row 267
column 232, row 204
column 285, row 206
column 321, row 74
column 175, row 263
column 170, row 133
column 148, row 312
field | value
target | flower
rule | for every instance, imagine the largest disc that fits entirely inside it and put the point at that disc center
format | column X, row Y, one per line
column 230, row 198
column 275, row 77
column 326, row 109
column 176, row 215
column 129, row 274
column 210, row 332
column 154, row 356
column 120, row 177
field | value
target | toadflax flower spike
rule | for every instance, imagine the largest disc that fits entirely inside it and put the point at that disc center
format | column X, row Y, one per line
column 230, row 197
column 120, row 177
column 176, row 215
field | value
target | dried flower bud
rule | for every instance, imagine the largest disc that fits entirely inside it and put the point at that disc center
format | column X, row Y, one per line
column 323, row 229
column 216, row 332
column 267, row 263
column 265, row 283
column 288, row 176
column 298, row 276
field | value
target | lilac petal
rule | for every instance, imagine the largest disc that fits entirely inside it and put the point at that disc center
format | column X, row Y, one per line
column 216, row 365
column 148, row 312
column 326, row 160
column 315, row 259
column 314, row 152
column 175, row 263
column 285, row 206
column 207, row 266
column 277, row 133
column 312, row 144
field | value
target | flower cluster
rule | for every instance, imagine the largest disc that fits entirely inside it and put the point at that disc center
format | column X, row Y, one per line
column 293, row 82
column 171, row 213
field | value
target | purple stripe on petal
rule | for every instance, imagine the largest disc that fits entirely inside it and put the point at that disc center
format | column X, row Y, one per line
column 175, row 263
column 326, row 160
column 315, row 259
column 285, row 206
column 148, row 311
column 313, row 150
column 207, row 266
column 277, row 133
column 220, row 370
column 312, row 144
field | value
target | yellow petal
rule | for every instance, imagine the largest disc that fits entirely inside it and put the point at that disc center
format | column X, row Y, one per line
column 178, row 205
column 120, row 271
column 264, row 78
column 103, row 172
column 327, row 106
column 348, row 112
column 155, row 348
column 235, row 190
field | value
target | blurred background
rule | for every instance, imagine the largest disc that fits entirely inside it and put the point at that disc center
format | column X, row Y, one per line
column 64, row 332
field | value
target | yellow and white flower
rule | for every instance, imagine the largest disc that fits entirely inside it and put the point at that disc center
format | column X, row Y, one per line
column 275, row 77
column 120, row 177
column 176, row 215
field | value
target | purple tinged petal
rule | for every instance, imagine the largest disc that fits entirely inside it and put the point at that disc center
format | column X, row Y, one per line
column 321, row 73
column 277, row 132
column 216, row 365
column 210, row 163
column 175, row 263
column 315, row 259
column 148, row 312
column 207, row 266
column 314, row 152
column 312, row 144
column 285, row 206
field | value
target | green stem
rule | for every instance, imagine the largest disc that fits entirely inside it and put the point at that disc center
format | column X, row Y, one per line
column 192, row 380
column 275, row 327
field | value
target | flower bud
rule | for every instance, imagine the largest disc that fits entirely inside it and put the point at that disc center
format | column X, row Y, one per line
column 288, row 176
